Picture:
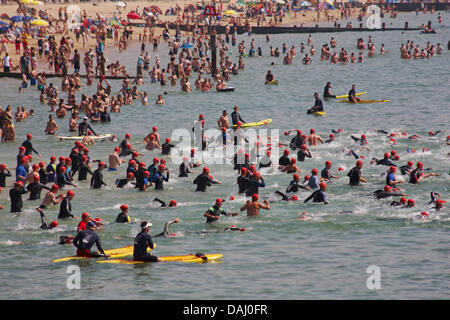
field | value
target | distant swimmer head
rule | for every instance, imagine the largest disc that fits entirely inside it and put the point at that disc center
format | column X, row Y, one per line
column 386, row 155
column 403, row 200
column 328, row 164
column 392, row 169
column 387, row 189
column 411, row 203
column 294, row 198
column 243, row 171
column 53, row 224
column 296, row 177
column 172, row 203
column 419, row 165
column 323, row 186
column 286, row 152
column 424, row 214
column 314, row 171
column 254, row 197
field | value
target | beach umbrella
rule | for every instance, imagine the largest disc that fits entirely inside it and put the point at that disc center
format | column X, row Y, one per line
column 133, row 15
column 39, row 22
column 120, row 4
column 156, row 9
column 231, row 13
column 16, row 18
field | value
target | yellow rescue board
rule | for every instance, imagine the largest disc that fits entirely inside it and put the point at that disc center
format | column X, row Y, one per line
column 187, row 258
column 364, row 101
column 115, row 253
column 254, row 124
column 346, row 95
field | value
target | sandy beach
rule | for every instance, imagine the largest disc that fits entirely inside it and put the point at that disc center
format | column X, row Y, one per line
column 109, row 9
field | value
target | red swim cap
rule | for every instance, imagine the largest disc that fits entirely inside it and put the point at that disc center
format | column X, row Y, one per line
column 130, row 175
column 286, row 152
column 393, row 153
column 172, row 203
column 123, row 207
column 411, row 202
column 328, row 163
column 312, row 131
column 243, row 170
column 55, row 187
column 206, row 170
column 167, row 140
column 219, row 200
column 54, row 224
column 294, row 198
column 296, row 176
column 293, row 160
column 386, row 155
column 403, row 200
column 36, row 178
column 420, row 164
column 117, row 149
column 359, row 163
column 2, row 166
column 85, row 215
column 392, row 169
column 146, row 174
column 323, row 186
column 232, row 198
column 424, row 213
column 29, row 136
column 257, row 174
column 155, row 129
column 254, row 197
column 387, row 188
column 304, row 147
column 70, row 193
column 101, row 164
column 314, row 171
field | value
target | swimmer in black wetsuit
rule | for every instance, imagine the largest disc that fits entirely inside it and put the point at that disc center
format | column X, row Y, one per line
column 120, row 183
column 319, row 195
column 383, row 162
column 203, row 180
column 163, row 204
column 386, row 193
column 35, row 188
column 243, row 181
column 297, row 141
column 165, row 232
column 165, row 147
column 303, row 153
column 326, row 91
column 45, row 225
column 284, row 159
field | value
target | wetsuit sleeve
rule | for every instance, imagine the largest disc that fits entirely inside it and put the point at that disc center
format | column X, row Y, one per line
column 90, row 128
column 99, row 245
column 310, row 197
column 76, row 240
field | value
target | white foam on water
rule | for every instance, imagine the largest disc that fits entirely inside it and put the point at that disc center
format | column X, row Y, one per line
column 9, row 243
